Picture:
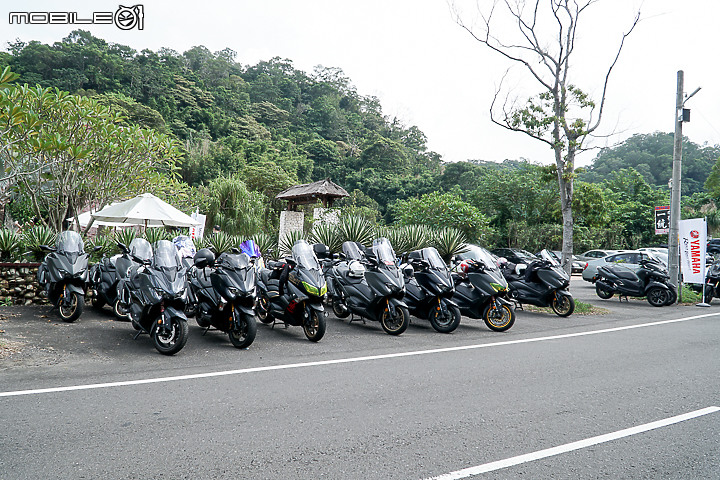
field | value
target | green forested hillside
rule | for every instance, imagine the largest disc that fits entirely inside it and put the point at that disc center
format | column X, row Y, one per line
column 256, row 129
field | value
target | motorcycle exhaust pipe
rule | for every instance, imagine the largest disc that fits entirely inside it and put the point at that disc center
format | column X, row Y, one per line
column 604, row 284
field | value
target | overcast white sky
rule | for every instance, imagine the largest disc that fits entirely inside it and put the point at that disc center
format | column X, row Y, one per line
column 428, row 71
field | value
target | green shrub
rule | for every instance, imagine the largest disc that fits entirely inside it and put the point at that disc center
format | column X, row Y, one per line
column 10, row 245
column 33, row 238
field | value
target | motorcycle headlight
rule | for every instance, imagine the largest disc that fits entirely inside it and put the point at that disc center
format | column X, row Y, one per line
column 311, row 289
column 497, row 287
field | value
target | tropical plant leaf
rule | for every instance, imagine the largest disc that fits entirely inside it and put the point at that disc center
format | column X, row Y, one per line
column 356, row 229
column 449, row 241
column 288, row 240
column 36, row 236
column 328, row 234
column 221, row 242
column 10, row 244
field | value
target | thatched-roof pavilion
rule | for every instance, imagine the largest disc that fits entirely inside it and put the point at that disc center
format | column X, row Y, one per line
column 324, row 190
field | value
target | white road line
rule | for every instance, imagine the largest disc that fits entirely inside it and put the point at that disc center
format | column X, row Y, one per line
column 342, row 360
column 569, row 447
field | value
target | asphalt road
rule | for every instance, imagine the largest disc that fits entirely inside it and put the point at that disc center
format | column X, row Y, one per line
column 361, row 404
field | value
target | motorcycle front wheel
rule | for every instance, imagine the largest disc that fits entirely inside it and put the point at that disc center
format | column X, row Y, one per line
column 602, row 292
column 499, row 319
column 657, row 297
column 445, row 323
column 97, row 300
column 244, row 330
column 314, row 326
column 262, row 309
column 708, row 295
column 73, row 309
column 397, row 323
column 172, row 340
column 563, row 305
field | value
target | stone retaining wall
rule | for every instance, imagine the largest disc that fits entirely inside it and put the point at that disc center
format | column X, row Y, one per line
column 19, row 286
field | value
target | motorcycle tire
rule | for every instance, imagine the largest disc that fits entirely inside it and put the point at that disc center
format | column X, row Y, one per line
column 602, row 292
column 70, row 313
column 97, row 300
column 563, row 305
column 262, row 309
column 396, row 324
column 120, row 312
column 657, row 297
column 672, row 298
column 314, row 327
column 499, row 320
column 447, row 323
column 708, row 296
column 243, row 335
column 340, row 309
column 169, row 343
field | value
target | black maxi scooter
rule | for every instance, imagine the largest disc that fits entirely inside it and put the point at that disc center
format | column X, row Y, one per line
column 224, row 293
column 293, row 291
column 369, row 283
column 105, row 276
column 543, row 283
column 651, row 280
column 155, row 294
column 481, row 290
column 64, row 274
column 428, row 290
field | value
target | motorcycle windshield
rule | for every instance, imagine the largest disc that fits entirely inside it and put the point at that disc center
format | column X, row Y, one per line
column 141, row 248
column 69, row 242
column 431, row 255
column 166, row 255
column 304, row 255
column 384, row 251
column 352, row 251
column 233, row 261
column 548, row 257
column 250, row 248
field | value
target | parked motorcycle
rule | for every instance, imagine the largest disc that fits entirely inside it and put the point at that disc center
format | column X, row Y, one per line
column 369, row 283
column 155, row 294
column 481, row 290
column 293, row 291
column 542, row 283
column 105, row 276
column 712, row 281
column 223, row 291
column 428, row 290
column 64, row 275
column 651, row 280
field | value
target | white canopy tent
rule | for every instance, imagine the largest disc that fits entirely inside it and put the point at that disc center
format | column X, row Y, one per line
column 146, row 210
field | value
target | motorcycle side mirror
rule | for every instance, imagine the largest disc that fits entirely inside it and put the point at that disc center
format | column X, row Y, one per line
column 291, row 261
column 337, row 256
column 123, row 248
column 97, row 248
column 235, row 250
column 45, row 248
column 409, row 271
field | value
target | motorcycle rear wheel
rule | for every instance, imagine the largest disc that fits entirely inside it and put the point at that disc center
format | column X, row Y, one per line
column 657, row 297
column 603, row 292
column 172, row 341
column 72, row 311
column 243, row 335
column 395, row 324
column 262, row 309
column 446, row 323
column 499, row 319
column 340, row 309
column 121, row 313
column 672, row 297
column 314, row 327
column 565, row 306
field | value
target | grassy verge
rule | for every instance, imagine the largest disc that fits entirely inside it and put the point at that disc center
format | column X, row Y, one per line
column 581, row 308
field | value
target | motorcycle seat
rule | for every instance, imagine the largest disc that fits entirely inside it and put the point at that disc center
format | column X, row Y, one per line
column 625, row 274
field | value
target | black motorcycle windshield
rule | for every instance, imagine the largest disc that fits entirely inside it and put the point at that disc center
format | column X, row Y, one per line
column 304, row 255
column 166, row 255
column 384, row 251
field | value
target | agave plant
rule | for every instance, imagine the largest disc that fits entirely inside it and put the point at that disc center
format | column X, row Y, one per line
column 36, row 236
column 124, row 236
column 152, row 235
column 106, row 242
column 449, row 241
column 414, row 237
column 356, row 229
column 326, row 233
column 266, row 243
column 288, row 240
column 221, row 242
column 394, row 236
column 10, row 244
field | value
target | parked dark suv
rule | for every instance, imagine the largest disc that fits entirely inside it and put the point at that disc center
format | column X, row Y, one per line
column 514, row 255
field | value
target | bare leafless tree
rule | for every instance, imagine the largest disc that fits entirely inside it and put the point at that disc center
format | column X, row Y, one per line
column 561, row 114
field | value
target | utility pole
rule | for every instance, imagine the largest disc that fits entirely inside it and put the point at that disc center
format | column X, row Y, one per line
column 681, row 115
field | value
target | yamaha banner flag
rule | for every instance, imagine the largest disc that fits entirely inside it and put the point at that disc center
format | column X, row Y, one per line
column 693, row 240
